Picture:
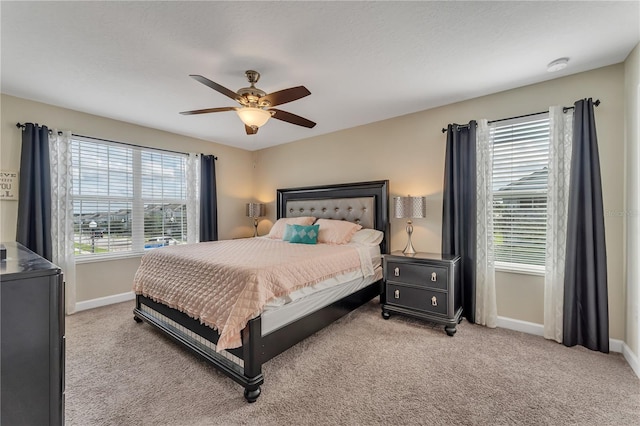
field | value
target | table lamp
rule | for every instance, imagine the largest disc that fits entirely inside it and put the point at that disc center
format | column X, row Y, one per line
column 409, row 208
column 255, row 210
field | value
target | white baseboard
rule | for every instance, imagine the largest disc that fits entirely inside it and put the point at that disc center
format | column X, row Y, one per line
column 519, row 325
column 615, row 345
column 104, row 301
column 631, row 358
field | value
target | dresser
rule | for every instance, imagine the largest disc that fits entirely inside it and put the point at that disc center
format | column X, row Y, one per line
column 32, row 339
column 425, row 286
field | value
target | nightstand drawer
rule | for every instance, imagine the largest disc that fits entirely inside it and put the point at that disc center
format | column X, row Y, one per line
column 417, row 298
column 422, row 275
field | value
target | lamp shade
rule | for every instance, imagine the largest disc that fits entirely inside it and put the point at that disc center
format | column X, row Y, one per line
column 255, row 210
column 409, row 207
column 253, row 117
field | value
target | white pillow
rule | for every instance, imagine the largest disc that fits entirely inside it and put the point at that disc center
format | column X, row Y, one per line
column 368, row 237
column 277, row 230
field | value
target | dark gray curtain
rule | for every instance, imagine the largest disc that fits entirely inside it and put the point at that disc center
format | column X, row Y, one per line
column 208, row 199
column 34, row 202
column 586, row 305
column 459, row 208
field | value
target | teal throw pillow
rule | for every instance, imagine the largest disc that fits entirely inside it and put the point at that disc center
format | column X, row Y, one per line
column 301, row 234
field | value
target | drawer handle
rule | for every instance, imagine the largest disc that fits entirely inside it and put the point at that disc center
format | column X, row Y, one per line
column 396, row 294
column 434, row 277
column 396, row 272
column 434, row 301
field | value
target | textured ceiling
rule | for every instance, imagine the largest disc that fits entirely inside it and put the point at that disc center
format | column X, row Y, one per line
column 362, row 61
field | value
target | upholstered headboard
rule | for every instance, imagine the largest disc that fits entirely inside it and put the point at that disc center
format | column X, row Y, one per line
column 357, row 210
column 365, row 203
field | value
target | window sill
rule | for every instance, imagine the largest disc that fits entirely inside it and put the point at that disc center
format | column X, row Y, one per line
column 519, row 269
column 106, row 257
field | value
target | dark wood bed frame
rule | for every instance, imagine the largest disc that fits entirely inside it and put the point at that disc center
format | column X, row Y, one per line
column 257, row 349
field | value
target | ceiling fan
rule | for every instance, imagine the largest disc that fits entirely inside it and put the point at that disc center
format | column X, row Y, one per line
column 257, row 106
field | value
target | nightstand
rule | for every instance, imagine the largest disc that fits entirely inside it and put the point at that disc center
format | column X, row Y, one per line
column 423, row 285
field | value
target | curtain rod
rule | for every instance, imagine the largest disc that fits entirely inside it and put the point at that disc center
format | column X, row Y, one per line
column 21, row 126
column 564, row 109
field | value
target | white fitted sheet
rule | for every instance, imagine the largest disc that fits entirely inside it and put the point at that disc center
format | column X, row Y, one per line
column 373, row 252
column 285, row 310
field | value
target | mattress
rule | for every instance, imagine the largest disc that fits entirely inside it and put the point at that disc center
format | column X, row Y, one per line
column 226, row 283
column 282, row 311
column 277, row 317
column 372, row 251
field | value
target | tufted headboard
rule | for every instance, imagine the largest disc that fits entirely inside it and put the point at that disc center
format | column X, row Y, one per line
column 365, row 203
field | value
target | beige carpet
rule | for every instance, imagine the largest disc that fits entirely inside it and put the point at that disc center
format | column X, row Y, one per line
column 362, row 370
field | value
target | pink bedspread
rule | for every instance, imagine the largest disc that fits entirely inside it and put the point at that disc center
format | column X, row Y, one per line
column 226, row 283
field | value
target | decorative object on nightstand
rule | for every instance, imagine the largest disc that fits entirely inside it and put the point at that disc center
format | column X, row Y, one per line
column 423, row 285
column 409, row 208
column 255, row 211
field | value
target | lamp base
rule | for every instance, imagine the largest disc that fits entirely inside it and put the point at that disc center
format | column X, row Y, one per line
column 409, row 250
column 255, row 228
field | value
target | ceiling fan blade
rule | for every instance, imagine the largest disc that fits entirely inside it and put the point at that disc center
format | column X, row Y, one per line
column 284, row 96
column 291, row 118
column 207, row 110
column 215, row 86
column 250, row 130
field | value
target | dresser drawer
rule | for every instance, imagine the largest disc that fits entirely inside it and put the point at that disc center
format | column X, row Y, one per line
column 412, row 273
column 422, row 299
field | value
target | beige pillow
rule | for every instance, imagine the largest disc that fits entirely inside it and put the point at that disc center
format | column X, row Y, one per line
column 277, row 230
column 336, row 231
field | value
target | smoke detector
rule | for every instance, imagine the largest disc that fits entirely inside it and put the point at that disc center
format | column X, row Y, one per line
column 558, row 64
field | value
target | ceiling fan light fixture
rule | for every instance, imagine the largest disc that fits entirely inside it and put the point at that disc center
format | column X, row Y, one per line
column 253, row 117
column 257, row 105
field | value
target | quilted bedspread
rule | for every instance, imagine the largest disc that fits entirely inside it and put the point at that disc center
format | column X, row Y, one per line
column 226, row 283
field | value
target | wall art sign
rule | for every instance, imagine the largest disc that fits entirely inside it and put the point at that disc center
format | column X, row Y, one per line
column 8, row 185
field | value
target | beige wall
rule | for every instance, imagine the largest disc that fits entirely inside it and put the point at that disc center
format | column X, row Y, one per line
column 99, row 279
column 632, row 205
column 409, row 151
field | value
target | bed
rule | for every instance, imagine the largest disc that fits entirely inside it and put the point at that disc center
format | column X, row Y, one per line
column 280, row 327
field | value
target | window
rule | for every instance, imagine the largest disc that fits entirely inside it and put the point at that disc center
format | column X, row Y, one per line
column 520, row 161
column 126, row 199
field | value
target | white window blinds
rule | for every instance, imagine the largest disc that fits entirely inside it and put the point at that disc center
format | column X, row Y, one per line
column 520, row 159
column 125, row 198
